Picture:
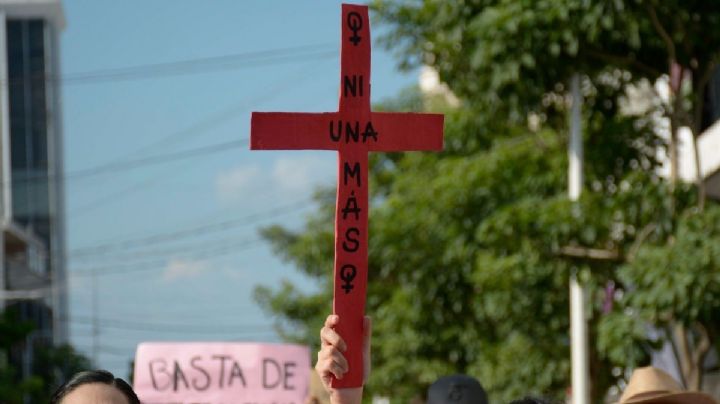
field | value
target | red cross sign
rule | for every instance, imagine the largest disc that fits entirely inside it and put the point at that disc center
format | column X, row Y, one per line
column 353, row 131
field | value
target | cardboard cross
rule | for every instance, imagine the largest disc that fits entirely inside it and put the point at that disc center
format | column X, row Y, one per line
column 353, row 131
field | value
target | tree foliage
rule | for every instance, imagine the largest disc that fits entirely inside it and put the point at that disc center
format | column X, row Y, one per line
column 52, row 365
column 12, row 331
column 471, row 249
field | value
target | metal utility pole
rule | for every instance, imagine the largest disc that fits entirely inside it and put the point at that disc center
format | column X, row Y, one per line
column 95, row 324
column 578, row 319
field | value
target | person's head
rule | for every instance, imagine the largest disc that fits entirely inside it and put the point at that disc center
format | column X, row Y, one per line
column 649, row 385
column 95, row 386
column 530, row 400
column 456, row 389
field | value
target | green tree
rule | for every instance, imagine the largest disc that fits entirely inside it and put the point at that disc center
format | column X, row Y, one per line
column 470, row 249
column 52, row 365
column 13, row 332
column 674, row 284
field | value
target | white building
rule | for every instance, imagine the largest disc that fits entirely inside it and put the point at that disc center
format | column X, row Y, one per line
column 708, row 141
column 32, row 280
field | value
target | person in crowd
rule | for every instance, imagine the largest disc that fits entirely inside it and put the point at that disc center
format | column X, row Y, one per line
column 649, row 385
column 530, row 400
column 456, row 389
column 95, row 387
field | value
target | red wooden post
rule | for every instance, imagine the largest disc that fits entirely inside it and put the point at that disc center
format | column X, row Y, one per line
column 353, row 131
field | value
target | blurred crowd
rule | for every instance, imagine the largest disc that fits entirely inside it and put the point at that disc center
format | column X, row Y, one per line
column 647, row 385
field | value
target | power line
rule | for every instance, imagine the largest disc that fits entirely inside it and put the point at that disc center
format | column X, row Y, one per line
column 111, row 350
column 170, row 327
column 228, row 62
column 113, row 197
column 128, row 338
column 156, row 159
column 178, row 308
column 163, row 256
column 199, row 127
column 219, row 250
column 278, row 88
column 181, row 249
column 161, row 263
column 140, row 162
column 192, row 66
column 188, row 232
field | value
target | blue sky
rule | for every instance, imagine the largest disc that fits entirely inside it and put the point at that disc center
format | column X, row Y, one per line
column 174, row 244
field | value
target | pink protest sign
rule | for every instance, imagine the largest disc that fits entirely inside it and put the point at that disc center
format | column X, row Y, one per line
column 221, row 373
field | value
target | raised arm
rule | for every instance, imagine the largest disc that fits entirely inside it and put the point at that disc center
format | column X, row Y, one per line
column 332, row 363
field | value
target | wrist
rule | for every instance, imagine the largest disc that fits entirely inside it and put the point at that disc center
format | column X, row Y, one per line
column 346, row 396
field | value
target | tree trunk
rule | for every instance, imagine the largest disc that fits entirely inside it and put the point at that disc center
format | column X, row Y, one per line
column 699, row 83
column 673, row 147
column 699, row 179
column 673, row 151
column 692, row 348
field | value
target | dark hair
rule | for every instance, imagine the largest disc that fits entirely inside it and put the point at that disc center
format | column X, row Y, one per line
column 459, row 389
column 531, row 400
column 94, row 376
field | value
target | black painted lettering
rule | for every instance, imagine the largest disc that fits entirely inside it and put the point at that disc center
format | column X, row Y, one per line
column 355, row 23
column 354, row 242
column 236, row 371
column 159, row 367
column 288, row 374
column 369, row 132
column 347, row 274
column 352, row 132
column 353, row 172
column 353, row 85
column 351, row 206
column 222, row 359
column 195, row 383
column 335, row 137
column 266, row 374
column 178, row 375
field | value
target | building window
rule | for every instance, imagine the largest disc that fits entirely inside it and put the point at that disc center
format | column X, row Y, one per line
column 711, row 107
column 28, row 125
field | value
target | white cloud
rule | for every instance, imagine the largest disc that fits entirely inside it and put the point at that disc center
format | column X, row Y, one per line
column 233, row 184
column 287, row 177
column 179, row 268
column 299, row 174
